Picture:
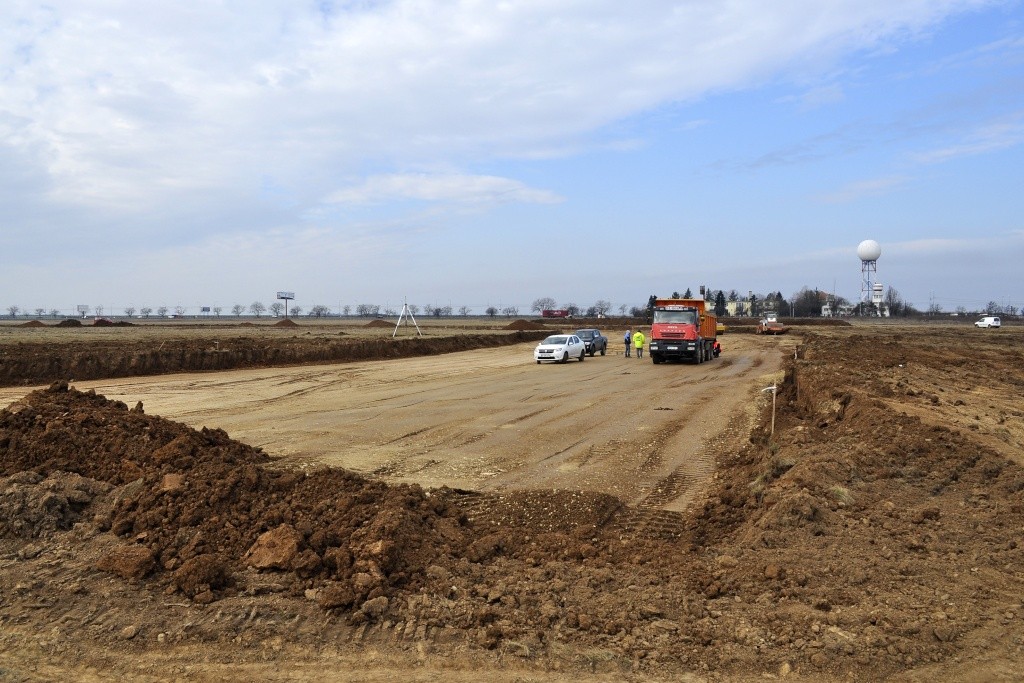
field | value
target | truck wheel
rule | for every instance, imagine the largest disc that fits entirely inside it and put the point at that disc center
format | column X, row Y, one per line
column 603, row 349
column 538, row 362
column 591, row 353
column 655, row 358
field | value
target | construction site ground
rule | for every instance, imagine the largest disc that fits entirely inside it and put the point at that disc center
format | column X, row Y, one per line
column 836, row 503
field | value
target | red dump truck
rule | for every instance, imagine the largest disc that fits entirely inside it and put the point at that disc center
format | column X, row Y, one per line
column 682, row 329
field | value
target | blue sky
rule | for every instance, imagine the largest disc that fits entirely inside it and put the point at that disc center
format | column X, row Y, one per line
column 479, row 153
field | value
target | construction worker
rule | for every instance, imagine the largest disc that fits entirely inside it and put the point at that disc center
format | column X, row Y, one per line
column 638, row 343
column 629, row 341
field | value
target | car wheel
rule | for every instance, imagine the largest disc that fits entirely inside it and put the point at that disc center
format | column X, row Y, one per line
column 583, row 354
column 565, row 357
column 538, row 362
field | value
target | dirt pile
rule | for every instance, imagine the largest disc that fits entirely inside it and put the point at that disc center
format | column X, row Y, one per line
column 45, row 362
column 33, row 323
column 525, row 325
column 378, row 323
column 287, row 322
column 193, row 500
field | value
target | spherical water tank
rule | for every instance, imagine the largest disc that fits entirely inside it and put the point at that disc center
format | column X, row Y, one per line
column 868, row 250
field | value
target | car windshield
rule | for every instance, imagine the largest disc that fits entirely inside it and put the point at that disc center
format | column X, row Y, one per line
column 683, row 317
column 555, row 340
column 585, row 334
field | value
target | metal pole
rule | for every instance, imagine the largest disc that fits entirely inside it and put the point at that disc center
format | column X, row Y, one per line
column 772, row 433
column 772, row 389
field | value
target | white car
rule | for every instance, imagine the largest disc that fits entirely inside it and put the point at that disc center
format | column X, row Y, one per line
column 560, row 348
column 989, row 321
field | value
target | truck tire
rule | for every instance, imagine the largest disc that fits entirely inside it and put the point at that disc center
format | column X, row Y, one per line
column 603, row 349
column 655, row 358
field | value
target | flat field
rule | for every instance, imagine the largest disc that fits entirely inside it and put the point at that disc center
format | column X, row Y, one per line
column 466, row 514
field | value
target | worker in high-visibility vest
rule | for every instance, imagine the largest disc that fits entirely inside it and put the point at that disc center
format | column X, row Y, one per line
column 638, row 343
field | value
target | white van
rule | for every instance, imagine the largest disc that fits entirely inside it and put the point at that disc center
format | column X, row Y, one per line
column 989, row 321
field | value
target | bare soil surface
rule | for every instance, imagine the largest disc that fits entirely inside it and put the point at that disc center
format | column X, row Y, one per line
column 474, row 515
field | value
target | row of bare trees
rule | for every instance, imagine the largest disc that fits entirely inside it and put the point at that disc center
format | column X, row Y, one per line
column 599, row 309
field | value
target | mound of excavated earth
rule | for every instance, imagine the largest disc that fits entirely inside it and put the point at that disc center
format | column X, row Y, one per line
column 876, row 533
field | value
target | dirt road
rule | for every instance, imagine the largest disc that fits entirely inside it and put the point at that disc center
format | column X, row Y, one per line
column 489, row 419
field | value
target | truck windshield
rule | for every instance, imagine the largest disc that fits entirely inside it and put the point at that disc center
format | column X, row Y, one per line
column 680, row 317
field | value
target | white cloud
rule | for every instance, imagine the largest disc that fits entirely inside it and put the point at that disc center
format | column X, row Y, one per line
column 452, row 187
column 819, row 96
column 864, row 188
column 133, row 106
column 992, row 137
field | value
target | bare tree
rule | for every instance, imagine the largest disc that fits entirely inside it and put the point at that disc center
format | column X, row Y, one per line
column 54, row 312
column 40, row 312
column 893, row 302
column 510, row 311
column 319, row 311
column 161, row 311
column 145, row 311
column 602, row 307
column 99, row 311
column 296, row 310
column 346, row 310
column 544, row 303
column 179, row 311
column 238, row 309
column 463, row 310
column 129, row 311
column 572, row 308
column 491, row 311
column 622, row 309
column 414, row 309
column 217, row 310
column 13, row 310
column 276, row 309
column 257, row 308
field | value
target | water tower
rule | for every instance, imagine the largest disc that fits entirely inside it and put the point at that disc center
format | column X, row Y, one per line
column 868, row 252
